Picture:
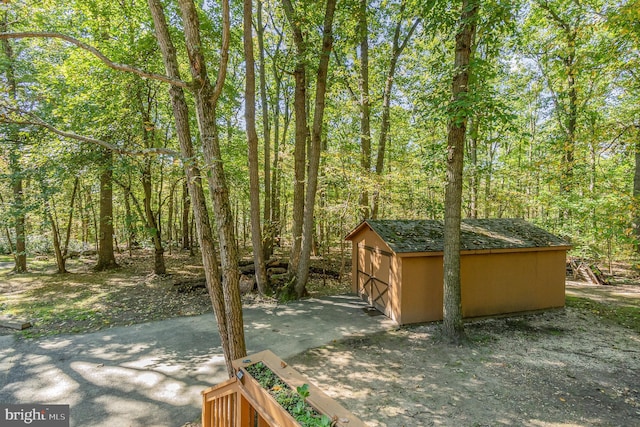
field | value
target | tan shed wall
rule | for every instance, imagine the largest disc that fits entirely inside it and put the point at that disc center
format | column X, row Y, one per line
column 395, row 289
column 368, row 239
column 512, row 282
column 492, row 283
column 422, row 290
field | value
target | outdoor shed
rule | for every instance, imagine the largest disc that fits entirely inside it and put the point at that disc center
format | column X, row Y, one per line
column 506, row 266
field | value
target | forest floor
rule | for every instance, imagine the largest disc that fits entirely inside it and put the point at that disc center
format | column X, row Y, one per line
column 574, row 367
column 84, row 301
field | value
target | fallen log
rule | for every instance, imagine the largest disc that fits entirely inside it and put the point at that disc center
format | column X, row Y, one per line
column 13, row 323
column 190, row 285
column 246, row 283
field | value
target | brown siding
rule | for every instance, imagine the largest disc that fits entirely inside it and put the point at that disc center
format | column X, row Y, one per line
column 372, row 255
column 421, row 289
column 395, row 289
column 497, row 282
column 512, row 282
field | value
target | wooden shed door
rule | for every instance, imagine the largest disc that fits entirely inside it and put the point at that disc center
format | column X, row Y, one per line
column 374, row 277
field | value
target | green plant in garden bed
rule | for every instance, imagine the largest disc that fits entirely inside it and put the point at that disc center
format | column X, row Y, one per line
column 292, row 401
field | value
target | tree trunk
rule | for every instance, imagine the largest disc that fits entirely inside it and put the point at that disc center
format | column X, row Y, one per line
column 7, row 233
column 452, row 326
column 186, row 209
column 106, row 256
column 206, row 98
column 65, row 249
column 227, row 308
column 57, row 247
column 252, row 146
column 152, row 225
column 20, row 254
column 267, row 214
column 365, row 123
column 172, row 192
column 566, row 106
column 18, row 206
column 129, row 220
column 301, row 136
column 302, row 273
column 473, row 172
column 275, row 170
column 385, row 125
column 572, row 120
column 636, row 191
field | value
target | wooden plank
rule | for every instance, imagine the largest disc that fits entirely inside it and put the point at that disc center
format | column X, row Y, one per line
column 12, row 323
column 264, row 402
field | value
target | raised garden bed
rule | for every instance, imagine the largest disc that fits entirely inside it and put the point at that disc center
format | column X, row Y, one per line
column 267, row 392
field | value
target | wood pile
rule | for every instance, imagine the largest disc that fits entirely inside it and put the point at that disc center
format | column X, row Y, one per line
column 581, row 269
column 276, row 273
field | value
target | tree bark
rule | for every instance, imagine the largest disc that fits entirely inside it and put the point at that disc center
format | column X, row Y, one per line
column 129, row 219
column 20, row 254
column 275, row 170
column 232, row 345
column 252, row 148
column 268, row 236
column 19, row 208
column 301, row 137
column 473, row 173
column 636, row 190
column 55, row 232
column 567, row 113
column 7, row 233
column 365, row 122
column 206, row 98
column 302, row 273
column 152, row 225
column 385, row 125
column 67, row 239
column 106, row 256
column 60, row 249
column 186, row 209
column 170, row 220
column 452, row 326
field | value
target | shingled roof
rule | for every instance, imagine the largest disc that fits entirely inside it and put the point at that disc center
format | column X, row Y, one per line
column 476, row 234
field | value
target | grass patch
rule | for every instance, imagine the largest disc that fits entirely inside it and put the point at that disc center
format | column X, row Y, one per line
column 622, row 315
column 56, row 307
column 87, row 301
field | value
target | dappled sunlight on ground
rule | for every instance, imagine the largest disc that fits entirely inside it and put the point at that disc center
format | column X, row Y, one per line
column 123, row 380
column 158, row 369
column 542, row 370
column 625, row 295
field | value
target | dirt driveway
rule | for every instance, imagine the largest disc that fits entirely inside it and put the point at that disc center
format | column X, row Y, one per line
column 562, row 368
column 624, row 295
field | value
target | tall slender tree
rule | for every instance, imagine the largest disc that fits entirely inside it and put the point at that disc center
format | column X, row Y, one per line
column 304, row 202
column 365, row 108
column 225, row 296
column 13, row 139
column 252, row 149
column 458, row 114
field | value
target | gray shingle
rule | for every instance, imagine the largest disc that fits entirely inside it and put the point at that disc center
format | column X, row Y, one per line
column 477, row 234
